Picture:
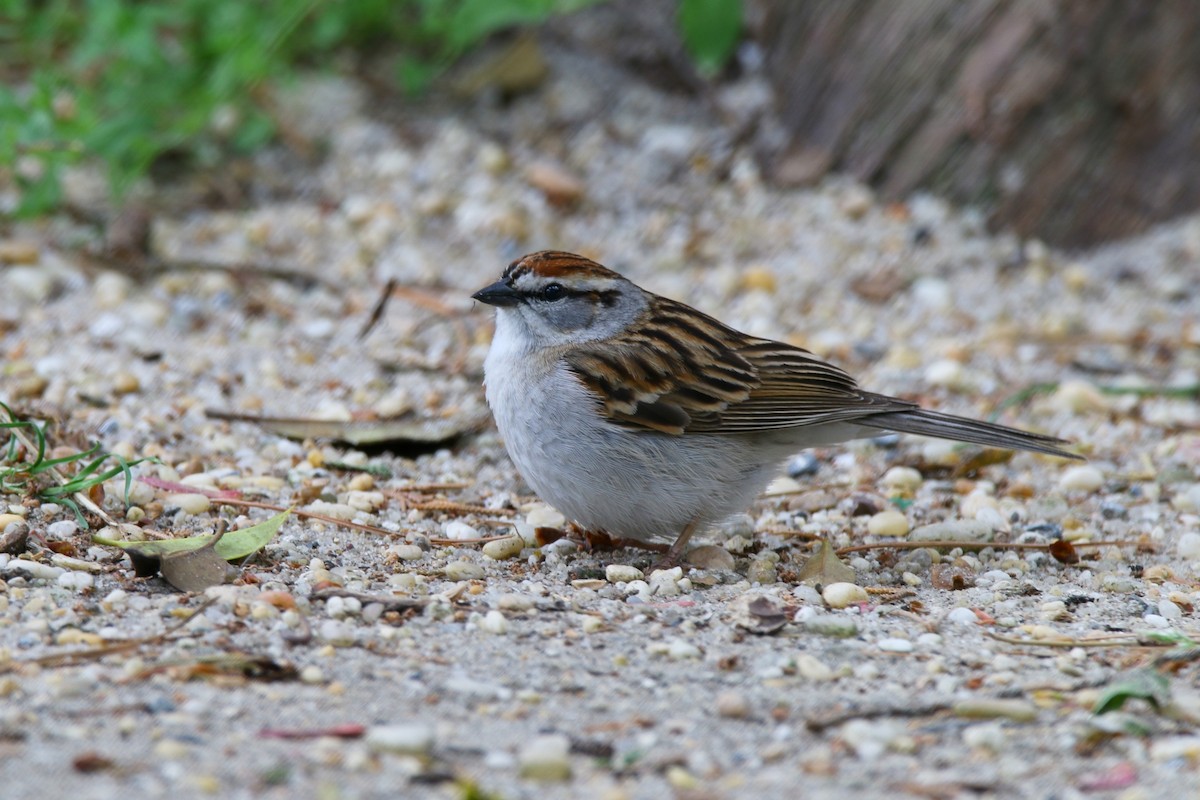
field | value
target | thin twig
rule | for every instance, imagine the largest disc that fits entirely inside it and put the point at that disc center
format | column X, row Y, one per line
column 377, row 311
column 950, row 543
column 81, row 656
column 823, row 723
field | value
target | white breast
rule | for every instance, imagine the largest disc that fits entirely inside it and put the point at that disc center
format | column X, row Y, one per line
column 636, row 484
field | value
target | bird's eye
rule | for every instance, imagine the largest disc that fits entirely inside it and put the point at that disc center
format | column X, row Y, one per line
column 553, row 291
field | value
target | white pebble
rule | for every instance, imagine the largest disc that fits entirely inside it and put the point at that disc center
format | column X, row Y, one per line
column 312, row 674
column 336, row 510
column 414, row 738
column 494, row 622
column 841, row 595
column 407, row 552
column 501, row 549
column 1084, row 478
column 82, row 580
column 732, row 705
column 63, row 529
column 962, row 616
column 985, row 736
column 904, row 479
column 1166, row 609
column 1189, row 546
column 665, row 582
column 812, row 668
column 1175, row 747
column 336, row 633
column 459, row 530
column 622, row 573
column 948, row 373
column 543, row 516
column 34, row 569
column 546, row 758
column 463, row 571
column 1187, row 499
column 365, row 501
column 888, row 523
column 895, row 645
column 188, row 503
column 680, row 649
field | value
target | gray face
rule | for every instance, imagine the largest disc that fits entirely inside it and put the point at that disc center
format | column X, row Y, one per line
column 564, row 311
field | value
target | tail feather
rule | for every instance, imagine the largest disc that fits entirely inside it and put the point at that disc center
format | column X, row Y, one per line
column 947, row 426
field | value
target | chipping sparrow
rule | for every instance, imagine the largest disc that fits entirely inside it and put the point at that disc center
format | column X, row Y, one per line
column 647, row 419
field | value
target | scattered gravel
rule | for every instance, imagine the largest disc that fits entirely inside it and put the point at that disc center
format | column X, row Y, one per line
column 407, row 658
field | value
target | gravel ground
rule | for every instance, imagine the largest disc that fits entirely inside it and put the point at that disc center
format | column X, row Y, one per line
column 529, row 671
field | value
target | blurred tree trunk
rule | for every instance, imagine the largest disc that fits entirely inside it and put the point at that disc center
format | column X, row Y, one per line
column 1070, row 120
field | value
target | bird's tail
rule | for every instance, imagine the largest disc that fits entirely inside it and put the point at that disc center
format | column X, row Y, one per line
column 947, row 426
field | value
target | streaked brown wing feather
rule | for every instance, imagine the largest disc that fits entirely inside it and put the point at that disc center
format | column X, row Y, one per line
column 694, row 380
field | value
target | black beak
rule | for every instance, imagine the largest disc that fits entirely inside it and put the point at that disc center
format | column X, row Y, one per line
column 498, row 294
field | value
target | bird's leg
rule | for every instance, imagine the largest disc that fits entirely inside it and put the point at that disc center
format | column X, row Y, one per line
column 674, row 555
column 601, row 540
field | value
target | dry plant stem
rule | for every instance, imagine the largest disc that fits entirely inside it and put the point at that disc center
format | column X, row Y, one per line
column 823, row 723
column 358, row 526
column 950, row 544
column 377, row 311
column 435, row 304
column 79, row 497
column 1131, row 641
column 81, row 656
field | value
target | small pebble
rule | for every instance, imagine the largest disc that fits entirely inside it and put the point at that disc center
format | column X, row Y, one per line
column 895, row 645
column 408, row 552
column 680, row 649
column 962, row 616
column 502, row 549
column 985, row 736
column 543, row 516
column 888, row 523
column 803, row 465
column 971, row 530
column 904, row 479
column 463, row 571
column 338, row 634
column 1170, row 748
column 812, row 668
column 188, row 502
column 1085, row 478
column 494, row 622
column 545, row 758
column 1188, row 546
column 841, row 595
column 63, row 529
column 410, row 739
column 733, row 705
column 459, row 531
column 834, row 625
column 1187, row 499
column 622, row 573
column 34, row 569
column 710, row 557
column 665, row 582
column 312, row 674
column 762, row 571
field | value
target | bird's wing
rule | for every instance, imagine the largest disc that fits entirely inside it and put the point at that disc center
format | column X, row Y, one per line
column 691, row 373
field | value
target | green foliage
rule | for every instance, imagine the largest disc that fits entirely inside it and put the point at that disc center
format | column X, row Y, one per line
column 711, row 30
column 24, row 467
column 128, row 81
